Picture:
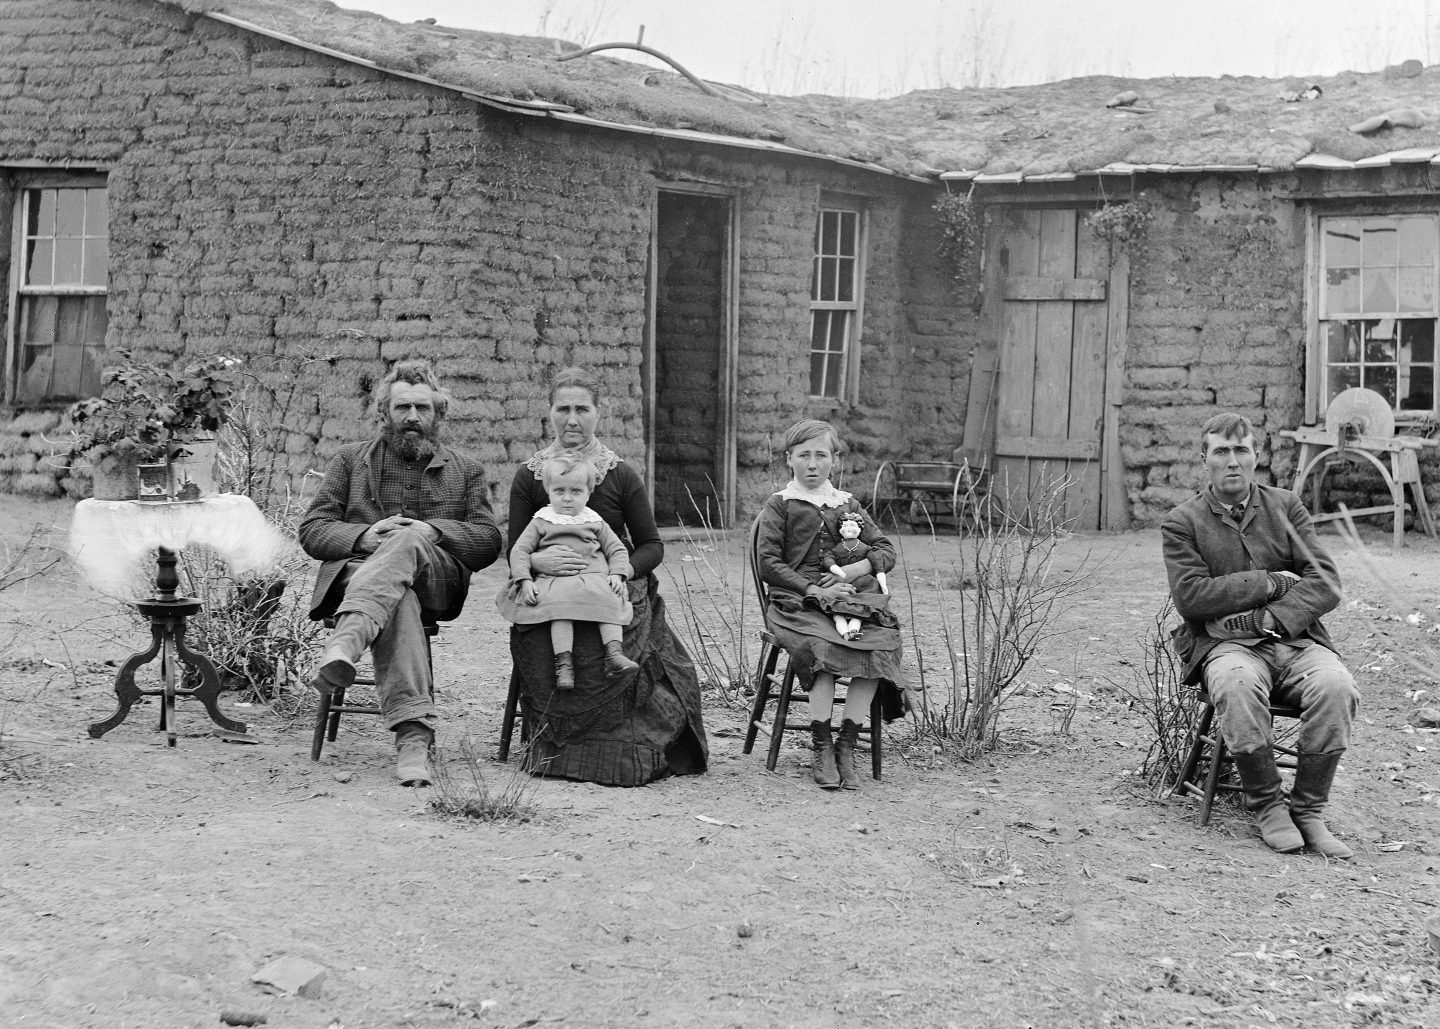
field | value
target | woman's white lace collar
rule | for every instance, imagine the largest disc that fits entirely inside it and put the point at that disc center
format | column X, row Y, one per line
column 585, row 517
column 597, row 453
column 826, row 496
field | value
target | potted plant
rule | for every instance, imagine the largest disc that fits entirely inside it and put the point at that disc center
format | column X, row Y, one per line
column 149, row 414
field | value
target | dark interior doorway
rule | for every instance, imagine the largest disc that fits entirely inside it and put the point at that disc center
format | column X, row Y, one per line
column 690, row 436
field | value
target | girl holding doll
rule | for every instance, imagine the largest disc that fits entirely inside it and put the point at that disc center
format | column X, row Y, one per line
column 799, row 531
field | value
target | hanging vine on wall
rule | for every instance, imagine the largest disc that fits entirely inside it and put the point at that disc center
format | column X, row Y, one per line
column 1124, row 224
column 961, row 221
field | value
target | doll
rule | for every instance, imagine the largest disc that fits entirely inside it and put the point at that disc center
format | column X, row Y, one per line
column 850, row 549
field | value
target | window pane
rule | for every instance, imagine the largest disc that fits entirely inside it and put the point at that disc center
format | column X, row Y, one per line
column 70, row 212
column 829, row 231
column 1416, row 242
column 1418, row 336
column 1343, row 377
column 1343, row 341
column 827, row 278
column 845, row 291
column 1378, row 245
column 1379, row 290
column 1380, row 378
column 1342, row 291
column 1417, row 290
column 1380, row 344
column 848, row 224
column 37, row 319
column 817, row 375
column 96, row 262
column 40, row 261
column 1422, row 390
column 1342, row 242
column 42, row 213
column 68, row 254
column 819, row 329
column 97, row 214
column 839, row 330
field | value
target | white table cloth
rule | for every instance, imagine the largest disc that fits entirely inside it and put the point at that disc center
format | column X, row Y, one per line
column 113, row 541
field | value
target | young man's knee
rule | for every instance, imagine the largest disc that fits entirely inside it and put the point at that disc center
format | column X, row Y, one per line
column 1227, row 676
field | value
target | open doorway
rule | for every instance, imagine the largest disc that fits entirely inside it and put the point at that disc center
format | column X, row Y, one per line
column 690, row 361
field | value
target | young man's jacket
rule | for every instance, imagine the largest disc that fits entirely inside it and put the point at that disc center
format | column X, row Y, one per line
column 1217, row 568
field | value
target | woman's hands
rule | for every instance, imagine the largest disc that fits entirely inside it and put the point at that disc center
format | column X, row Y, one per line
column 851, row 571
column 834, row 591
column 557, row 561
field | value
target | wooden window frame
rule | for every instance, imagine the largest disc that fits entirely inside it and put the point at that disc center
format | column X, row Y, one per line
column 848, row 391
column 1318, row 366
column 27, row 188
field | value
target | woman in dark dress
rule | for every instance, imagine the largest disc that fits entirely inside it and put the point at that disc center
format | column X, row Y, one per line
column 617, row 732
column 799, row 530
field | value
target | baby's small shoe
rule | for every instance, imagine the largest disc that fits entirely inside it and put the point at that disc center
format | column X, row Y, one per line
column 565, row 671
column 617, row 665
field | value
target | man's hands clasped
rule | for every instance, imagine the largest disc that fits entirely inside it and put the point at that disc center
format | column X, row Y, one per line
column 371, row 539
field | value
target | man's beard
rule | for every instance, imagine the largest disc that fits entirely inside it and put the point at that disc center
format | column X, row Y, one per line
column 412, row 445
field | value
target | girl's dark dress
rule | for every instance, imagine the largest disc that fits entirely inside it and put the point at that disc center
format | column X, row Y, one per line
column 792, row 536
column 597, row 732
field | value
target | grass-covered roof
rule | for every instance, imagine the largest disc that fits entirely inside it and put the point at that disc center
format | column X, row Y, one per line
column 1055, row 128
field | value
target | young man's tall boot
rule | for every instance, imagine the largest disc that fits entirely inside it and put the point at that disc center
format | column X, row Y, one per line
column 1314, row 775
column 1261, row 781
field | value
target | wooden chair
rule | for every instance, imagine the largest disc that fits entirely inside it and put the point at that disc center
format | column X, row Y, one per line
column 1202, row 774
column 769, row 677
column 513, row 710
column 333, row 705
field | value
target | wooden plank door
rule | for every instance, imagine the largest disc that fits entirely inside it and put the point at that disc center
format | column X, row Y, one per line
column 1056, row 350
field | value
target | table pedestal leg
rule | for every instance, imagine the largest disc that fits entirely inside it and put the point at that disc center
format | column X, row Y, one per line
column 126, row 692
column 167, row 629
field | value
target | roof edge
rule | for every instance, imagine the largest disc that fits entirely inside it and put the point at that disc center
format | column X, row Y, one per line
column 560, row 112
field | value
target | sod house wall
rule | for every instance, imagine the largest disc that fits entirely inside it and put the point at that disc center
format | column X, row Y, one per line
column 321, row 219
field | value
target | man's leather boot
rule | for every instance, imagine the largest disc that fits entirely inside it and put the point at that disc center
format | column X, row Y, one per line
column 617, row 665
column 845, row 754
column 565, row 671
column 1261, row 781
column 1313, row 775
column 824, row 770
column 352, row 635
column 412, row 753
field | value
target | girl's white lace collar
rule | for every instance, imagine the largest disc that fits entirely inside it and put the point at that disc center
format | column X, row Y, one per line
column 597, row 453
column 585, row 517
column 826, row 496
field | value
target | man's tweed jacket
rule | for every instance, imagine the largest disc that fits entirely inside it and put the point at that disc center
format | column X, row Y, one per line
column 454, row 499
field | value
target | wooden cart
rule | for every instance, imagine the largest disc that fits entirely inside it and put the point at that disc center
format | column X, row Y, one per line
column 928, row 496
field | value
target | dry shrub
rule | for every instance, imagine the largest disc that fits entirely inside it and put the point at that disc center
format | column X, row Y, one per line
column 1010, row 593
column 1168, row 707
column 711, row 609
column 466, row 791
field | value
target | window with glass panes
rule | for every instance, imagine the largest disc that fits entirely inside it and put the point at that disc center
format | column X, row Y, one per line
column 834, row 300
column 61, row 256
column 1378, row 307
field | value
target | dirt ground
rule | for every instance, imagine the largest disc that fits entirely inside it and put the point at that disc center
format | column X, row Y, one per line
column 142, row 886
